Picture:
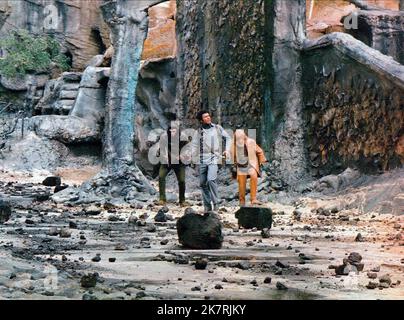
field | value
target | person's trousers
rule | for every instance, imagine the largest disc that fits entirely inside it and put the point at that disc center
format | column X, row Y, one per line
column 208, row 176
column 242, row 185
column 179, row 171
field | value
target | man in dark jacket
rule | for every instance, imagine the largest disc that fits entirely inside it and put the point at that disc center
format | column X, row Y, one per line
column 171, row 143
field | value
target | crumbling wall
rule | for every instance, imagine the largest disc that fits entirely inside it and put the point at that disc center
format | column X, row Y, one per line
column 354, row 106
column 221, row 60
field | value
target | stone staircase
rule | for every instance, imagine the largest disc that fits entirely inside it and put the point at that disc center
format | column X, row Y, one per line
column 59, row 95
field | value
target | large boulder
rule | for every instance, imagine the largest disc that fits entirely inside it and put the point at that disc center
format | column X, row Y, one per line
column 200, row 231
column 254, row 217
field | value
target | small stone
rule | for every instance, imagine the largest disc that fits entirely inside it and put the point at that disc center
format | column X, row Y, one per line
column 385, row 279
column 72, row 225
column 121, row 247
column 218, row 286
column 265, row 233
column 97, row 258
column 113, row 218
column 151, row 228
column 197, row 288
column 181, row 259
column 281, row 265
column 254, row 283
column 89, row 280
column 359, row 238
column 65, row 233
column 375, row 269
column 52, row 181
column 140, row 294
column 281, row 286
column 132, row 219
column 88, row 296
column 372, row 285
column 354, row 258
column 268, row 280
column 243, row 265
column 111, row 259
column 201, row 264
column 164, row 242
column 29, row 221
column 160, row 216
column 372, row 275
column 92, row 211
column 53, row 231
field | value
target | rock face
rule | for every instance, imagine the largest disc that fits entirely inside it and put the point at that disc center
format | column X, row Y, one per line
column 161, row 42
column 353, row 98
column 254, row 217
column 221, row 60
column 283, row 116
column 200, row 232
column 382, row 30
column 78, row 25
column 155, row 93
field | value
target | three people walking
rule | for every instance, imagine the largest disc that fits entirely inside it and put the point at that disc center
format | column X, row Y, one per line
column 211, row 146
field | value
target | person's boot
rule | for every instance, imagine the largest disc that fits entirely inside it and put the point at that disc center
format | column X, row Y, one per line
column 184, row 204
column 162, row 202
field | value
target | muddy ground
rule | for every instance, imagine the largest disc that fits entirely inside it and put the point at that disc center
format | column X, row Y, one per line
column 121, row 258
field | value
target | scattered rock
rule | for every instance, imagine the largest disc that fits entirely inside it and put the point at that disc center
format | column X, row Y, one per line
column 53, row 231
column 140, row 294
column 113, row 218
column 164, row 242
column 132, row 219
column 92, row 211
column 385, row 279
column 89, row 280
column 88, row 296
column 160, row 216
column 181, row 259
column 243, row 265
column 111, row 259
column 372, row 285
column 218, row 286
column 72, row 225
column 372, row 275
column 121, row 247
column 97, row 258
column 268, row 280
column 359, row 238
column 65, row 233
column 201, row 264
column 197, row 288
column 52, row 181
column 375, row 269
column 281, row 286
column 151, row 228
column 265, row 233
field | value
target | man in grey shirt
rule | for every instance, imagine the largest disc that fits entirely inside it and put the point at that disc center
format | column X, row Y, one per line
column 211, row 143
